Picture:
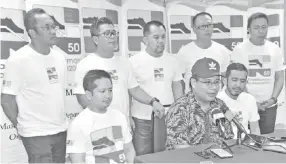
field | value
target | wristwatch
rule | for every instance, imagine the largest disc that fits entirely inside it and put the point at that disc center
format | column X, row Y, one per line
column 153, row 100
column 274, row 99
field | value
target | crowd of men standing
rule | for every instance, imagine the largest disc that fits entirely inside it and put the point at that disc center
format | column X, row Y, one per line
column 172, row 96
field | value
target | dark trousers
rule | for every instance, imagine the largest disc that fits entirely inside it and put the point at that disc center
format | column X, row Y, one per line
column 143, row 136
column 160, row 134
column 267, row 120
column 46, row 149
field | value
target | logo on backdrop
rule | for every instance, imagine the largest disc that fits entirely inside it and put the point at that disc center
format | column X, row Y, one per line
column 13, row 34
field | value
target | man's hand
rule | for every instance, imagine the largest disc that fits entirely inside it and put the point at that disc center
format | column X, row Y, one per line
column 158, row 109
column 268, row 103
column 260, row 106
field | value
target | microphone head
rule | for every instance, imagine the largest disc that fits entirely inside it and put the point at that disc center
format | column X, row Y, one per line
column 217, row 114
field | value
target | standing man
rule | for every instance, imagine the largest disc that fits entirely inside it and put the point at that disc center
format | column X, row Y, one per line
column 157, row 72
column 240, row 102
column 202, row 47
column 99, row 134
column 105, row 36
column 264, row 61
column 190, row 119
column 33, row 91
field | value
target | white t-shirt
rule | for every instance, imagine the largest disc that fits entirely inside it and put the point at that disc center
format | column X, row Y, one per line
column 122, row 78
column 38, row 81
column 99, row 134
column 190, row 53
column 262, row 62
column 155, row 76
column 246, row 104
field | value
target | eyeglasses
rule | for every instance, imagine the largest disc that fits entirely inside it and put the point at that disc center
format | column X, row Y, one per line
column 210, row 83
column 109, row 34
column 203, row 27
column 49, row 27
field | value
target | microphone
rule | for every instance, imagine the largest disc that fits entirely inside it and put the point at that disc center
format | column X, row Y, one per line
column 218, row 117
column 231, row 117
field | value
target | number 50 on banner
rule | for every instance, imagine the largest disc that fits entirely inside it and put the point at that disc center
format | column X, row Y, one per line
column 71, row 46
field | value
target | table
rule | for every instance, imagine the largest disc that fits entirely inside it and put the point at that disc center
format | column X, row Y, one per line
column 241, row 155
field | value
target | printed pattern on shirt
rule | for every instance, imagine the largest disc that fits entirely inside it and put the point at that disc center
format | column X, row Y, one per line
column 259, row 69
column 108, row 145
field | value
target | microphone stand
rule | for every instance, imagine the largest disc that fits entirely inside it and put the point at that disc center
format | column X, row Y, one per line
column 240, row 142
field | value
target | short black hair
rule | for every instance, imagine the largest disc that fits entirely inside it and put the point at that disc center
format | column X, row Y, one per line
column 30, row 20
column 146, row 28
column 201, row 13
column 96, row 24
column 236, row 67
column 93, row 75
column 256, row 16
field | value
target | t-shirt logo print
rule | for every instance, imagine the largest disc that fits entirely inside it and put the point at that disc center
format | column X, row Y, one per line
column 212, row 66
column 114, row 75
column 108, row 145
column 158, row 74
column 52, row 74
column 258, row 64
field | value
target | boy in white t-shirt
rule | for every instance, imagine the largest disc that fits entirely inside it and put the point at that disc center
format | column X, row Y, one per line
column 239, row 102
column 99, row 134
column 264, row 61
column 202, row 47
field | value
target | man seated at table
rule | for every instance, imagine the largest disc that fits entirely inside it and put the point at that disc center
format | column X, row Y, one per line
column 189, row 120
column 99, row 134
column 240, row 102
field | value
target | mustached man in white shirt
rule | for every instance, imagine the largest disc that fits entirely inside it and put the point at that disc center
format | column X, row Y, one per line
column 264, row 61
column 240, row 103
column 105, row 36
column 157, row 72
column 33, row 91
column 202, row 47
column 99, row 134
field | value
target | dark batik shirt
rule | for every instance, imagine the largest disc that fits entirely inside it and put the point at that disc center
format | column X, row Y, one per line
column 188, row 124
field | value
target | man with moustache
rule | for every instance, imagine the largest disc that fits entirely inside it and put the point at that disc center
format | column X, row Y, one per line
column 189, row 120
column 105, row 36
column 239, row 102
column 33, row 91
column 264, row 61
column 99, row 134
column 157, row 72
column 202, row 47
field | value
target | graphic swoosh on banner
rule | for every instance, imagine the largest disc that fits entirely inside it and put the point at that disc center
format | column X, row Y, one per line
column 276, row 4
column 202, row 5
column 196, row 6
column 235, row 5
column 158, row 2
column 115, row 2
